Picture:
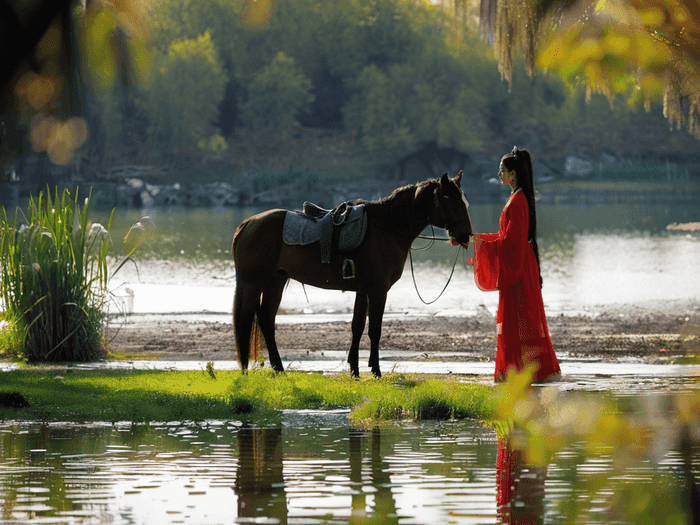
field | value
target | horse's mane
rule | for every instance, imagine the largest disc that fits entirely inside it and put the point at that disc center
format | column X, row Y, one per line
column 404, row 207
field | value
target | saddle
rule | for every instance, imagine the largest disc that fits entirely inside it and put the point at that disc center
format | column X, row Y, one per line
column 343, row 228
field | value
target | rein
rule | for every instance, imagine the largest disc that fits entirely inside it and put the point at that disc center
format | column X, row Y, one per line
column 415, row 285
column 423, row 248
column 432, row 240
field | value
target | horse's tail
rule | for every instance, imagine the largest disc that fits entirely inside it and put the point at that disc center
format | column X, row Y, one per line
column 255, row 334
column 245, row 343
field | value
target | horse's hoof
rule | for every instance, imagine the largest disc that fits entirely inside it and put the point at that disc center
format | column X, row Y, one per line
column 355, row 374
column 376, row 373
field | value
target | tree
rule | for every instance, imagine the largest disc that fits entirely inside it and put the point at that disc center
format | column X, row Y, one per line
column 184, row 96
column 276, row 94
column 647, row 50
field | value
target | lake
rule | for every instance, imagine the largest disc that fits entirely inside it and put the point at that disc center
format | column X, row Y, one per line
column 593, row 257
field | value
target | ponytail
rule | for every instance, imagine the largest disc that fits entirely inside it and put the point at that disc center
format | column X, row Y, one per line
column 521, row 162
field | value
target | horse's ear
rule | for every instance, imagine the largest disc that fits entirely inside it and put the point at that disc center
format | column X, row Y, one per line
column 444, row 180
column 458, row 179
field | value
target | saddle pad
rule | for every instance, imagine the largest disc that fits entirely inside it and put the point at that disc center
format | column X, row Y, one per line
column 300, row 229
column 303, row 229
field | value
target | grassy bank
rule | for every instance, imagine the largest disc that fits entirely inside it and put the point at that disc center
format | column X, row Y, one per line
column 110, row 395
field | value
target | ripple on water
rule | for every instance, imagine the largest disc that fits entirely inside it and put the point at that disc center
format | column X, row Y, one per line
column 308, row 469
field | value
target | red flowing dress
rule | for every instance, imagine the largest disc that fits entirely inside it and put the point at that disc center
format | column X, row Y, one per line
column 506, row 261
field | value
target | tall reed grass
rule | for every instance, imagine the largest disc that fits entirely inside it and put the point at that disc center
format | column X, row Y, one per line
column 53, row 280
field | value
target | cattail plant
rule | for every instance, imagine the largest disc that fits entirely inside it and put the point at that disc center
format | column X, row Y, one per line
column 54, row 280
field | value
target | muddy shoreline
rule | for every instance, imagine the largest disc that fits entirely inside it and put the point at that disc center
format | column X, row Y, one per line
column 654, row 335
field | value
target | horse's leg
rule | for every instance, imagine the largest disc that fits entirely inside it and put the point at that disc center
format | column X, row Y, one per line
column 271, row 298
column 245, row 302
column 377, row 302
column 359, row 318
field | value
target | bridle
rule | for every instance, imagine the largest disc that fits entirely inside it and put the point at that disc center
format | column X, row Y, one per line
column 432, row 240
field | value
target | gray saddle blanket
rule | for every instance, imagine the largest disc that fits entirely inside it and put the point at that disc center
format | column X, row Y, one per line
column 348, row 220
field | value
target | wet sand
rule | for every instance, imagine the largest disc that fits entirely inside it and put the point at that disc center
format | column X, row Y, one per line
column 658, row 334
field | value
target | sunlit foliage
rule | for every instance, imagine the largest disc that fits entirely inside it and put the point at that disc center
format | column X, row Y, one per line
column 276, row 94
column 646, row 50
column 185, row 93
column 542, row 421
column 394, row 74
column 54, row 280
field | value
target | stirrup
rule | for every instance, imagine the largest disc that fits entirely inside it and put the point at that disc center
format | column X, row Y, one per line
column 348, row 269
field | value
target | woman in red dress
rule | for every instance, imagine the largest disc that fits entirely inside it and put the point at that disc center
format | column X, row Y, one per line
column 508, row 261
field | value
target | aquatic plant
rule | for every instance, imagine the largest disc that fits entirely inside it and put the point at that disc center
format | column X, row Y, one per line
column 54, row 277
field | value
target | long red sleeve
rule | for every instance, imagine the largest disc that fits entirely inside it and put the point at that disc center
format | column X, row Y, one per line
column 498, row 260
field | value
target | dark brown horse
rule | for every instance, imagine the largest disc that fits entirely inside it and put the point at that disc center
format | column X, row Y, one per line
column 264, row 263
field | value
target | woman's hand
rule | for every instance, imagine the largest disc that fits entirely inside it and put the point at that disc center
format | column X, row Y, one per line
column 463, row 245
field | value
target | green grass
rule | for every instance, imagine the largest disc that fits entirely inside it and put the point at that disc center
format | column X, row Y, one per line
column 59, row 394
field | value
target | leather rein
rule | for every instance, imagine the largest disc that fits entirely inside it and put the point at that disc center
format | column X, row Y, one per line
column 432, row 240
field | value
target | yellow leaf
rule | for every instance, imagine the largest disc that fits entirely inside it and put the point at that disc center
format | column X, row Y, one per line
column 593, row 73
column 616, row 44
column 551, row 54
column 651, row 85
column 649, row 51
column 680, row 14
column 141, row 59
column 652, row 17
column 589, row 49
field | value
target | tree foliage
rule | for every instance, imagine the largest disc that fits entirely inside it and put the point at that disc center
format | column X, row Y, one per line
column 276, row 94
column 182, row 75
column 183, row 98
column 646, row 50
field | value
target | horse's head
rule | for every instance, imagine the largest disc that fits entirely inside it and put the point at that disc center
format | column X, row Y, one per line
column 453, row 209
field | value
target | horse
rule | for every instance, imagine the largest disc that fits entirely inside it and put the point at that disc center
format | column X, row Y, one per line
column 264, row 263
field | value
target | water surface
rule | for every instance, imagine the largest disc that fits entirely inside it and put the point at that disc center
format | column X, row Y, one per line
column 594, row 257
column 308, row 467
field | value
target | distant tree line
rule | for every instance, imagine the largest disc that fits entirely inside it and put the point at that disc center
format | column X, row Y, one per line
column 394, row 74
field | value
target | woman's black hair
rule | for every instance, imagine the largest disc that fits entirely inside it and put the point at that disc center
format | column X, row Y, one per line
column 520, row 161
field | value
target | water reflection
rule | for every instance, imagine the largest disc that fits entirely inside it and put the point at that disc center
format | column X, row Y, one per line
column 311, row 471
column 260, row 474
column 520, row 487
column 379, row 478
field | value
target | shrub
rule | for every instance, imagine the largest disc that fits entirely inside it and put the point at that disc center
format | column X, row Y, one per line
column 54, row 280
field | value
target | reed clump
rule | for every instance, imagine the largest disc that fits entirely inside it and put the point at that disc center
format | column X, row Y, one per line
column 53, row 280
